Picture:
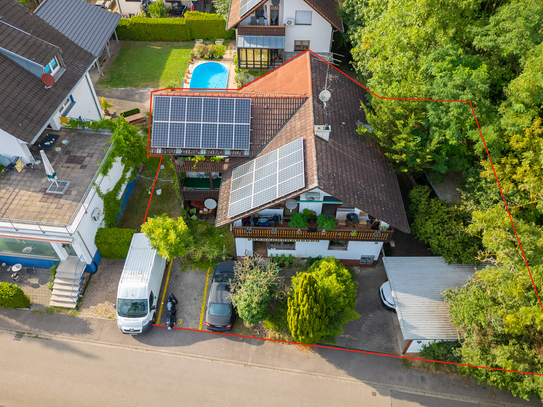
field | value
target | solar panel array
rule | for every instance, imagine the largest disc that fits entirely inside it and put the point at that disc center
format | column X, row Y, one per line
column 201, row 122
column 246, row 5
column 267, row 178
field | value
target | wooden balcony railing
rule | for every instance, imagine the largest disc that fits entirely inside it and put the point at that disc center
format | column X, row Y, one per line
column 265, row 30
column 293, row 234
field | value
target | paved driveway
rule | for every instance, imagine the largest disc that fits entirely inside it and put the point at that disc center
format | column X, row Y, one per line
column 189, row 287
column 101, row 293
column 374, row 330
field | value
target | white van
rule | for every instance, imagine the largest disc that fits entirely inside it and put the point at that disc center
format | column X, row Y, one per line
column 139, row 287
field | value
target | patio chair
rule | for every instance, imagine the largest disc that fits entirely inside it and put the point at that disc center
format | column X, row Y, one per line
column 253, row 20
column 341, row 218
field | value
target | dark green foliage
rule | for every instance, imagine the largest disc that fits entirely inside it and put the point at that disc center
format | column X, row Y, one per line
column 130, row 112
column 298, row 220
column 278, row 319
column 309, row 214
column 12, row 296
column 442, row 227
column 326, row 222
column 307, row 314
column 311, row 260
column 444, row 351
column 195, row 25
column 113, row 243
column 210, row 245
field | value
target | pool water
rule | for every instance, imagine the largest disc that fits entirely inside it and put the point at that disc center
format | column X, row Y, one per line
column 209, row 75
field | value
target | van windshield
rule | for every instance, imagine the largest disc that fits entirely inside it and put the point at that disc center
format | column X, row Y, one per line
column 131, row 308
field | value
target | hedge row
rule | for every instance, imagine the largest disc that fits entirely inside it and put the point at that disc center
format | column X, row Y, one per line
column 113, row 243
column 195, row 25
column 12, row 296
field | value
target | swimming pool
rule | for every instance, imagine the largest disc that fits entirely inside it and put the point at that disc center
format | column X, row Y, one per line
column 209, row 75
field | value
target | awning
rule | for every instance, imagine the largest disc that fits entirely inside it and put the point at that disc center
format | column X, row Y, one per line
column 261, row 41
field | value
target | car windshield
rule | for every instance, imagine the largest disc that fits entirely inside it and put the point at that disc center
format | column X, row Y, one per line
column 132, row 308
column 224, row 278
column 219, row 310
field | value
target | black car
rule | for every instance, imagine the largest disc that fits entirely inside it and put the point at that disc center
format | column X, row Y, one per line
column 220, row 314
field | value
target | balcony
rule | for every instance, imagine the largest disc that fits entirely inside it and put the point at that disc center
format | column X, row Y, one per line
column 261, row 30
column 358, row 234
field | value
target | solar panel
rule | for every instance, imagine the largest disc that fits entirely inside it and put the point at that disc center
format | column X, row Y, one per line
column 202, row 122
column 266, row 178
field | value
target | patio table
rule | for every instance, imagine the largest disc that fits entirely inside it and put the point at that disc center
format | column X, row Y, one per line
column 48, row 142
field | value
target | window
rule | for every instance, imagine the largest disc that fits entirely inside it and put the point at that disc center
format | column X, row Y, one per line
column 26, row 247
column 303, row 17
column 283, row 245
column 67, row 105
column 151, row 299
column 250, row 58
column 301, row 45
column 337, row 245
column 52, row 67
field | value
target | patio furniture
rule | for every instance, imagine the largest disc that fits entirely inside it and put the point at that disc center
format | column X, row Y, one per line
column 137, row 118
column 352, row 217
column 253, row 20
column 48, row 142
column 13, row 164
column 341, row 217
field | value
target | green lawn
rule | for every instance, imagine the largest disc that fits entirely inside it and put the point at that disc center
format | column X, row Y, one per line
column 148, row 65
column 166, row 202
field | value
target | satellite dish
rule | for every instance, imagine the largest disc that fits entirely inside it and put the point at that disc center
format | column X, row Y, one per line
column 48, row 79
column 291, row 204
column 325, row 96
column 275, row 2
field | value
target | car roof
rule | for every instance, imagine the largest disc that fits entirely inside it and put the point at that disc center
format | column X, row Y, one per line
column 220, row 293
column 225, row 267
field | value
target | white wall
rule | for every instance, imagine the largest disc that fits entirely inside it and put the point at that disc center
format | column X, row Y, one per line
column 129, row 7
column 86, row 102
column 86, row 231
column 319, row 33
column 416, row 345
column 11, row 147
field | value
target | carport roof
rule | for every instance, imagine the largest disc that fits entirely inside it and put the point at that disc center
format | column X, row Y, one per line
column 417, row 284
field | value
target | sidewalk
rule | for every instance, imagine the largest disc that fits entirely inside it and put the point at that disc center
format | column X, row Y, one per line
column 375, row 370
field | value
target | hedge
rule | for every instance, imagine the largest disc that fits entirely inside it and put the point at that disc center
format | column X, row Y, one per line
column 130, row 112
column 113, row 243
column 12, row 296
column 195, row 25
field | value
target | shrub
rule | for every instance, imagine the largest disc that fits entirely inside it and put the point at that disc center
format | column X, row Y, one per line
column 12, row 296
column 442, row 227
column 170, row 237
column 200, row 50
column 243, row 78
column 113, row 243
column 206, row 26
column 278, row 321
column 326, row 222
column 157, row 9
column 298, row 220
column 130, row 112
column 445, row 351
column 219, row 50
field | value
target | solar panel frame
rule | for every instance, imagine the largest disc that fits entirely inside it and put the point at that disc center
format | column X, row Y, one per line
column 266, row 178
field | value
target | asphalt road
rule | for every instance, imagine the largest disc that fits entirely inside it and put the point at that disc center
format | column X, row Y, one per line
column 89, row 362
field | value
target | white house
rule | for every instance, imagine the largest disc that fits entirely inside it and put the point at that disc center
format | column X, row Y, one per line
column 417, row 284
column 271, row 32
column 285, row 151
column 45, row 79
column 45, row 71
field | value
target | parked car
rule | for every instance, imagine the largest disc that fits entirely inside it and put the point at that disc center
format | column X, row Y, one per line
column 220, row 314
column 385, row 292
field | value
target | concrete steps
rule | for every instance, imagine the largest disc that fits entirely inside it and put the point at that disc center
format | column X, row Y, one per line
column 64, row 281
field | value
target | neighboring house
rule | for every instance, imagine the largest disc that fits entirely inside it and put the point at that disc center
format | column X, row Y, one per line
column 41, row 223
column 270, row 32
column 284, row 145
column 88, row 25
column 417, row 284
column 44, row 77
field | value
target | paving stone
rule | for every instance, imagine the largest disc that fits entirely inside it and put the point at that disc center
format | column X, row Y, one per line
column 34, row 284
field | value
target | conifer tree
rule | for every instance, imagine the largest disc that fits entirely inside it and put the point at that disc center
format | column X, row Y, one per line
column 307, row 316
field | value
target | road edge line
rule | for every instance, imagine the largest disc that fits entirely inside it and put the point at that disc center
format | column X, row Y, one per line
column 204, row 300
column 164, row 293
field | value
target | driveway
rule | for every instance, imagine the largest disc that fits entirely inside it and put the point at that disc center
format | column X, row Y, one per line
column 374, row 330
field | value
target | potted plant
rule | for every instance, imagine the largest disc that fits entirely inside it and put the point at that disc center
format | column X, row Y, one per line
column 290, row 258
column 282, row 260
column 354, row 233
column 296, row 264
column 105, row 106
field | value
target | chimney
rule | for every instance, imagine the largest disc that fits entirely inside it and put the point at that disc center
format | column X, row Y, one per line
column 323, row 132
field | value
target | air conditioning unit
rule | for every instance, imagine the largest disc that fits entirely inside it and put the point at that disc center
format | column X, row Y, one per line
column 96, row 214
column 313, row 196
column 289, row 22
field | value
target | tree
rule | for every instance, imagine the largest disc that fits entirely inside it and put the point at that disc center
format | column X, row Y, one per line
column 307, row 312
column 254, row 288
column 443, row 227
column 222, row 7
column 170, row 237
column 339, row 290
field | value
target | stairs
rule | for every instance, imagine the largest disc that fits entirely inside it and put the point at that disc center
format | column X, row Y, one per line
column 64, row 281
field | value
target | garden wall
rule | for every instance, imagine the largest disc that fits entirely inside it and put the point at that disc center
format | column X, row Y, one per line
column 194, row 25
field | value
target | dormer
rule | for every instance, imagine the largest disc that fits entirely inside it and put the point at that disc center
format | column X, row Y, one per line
column 38, row 57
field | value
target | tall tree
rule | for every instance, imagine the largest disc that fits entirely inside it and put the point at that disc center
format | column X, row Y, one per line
column 307, row 314
column 170, row 237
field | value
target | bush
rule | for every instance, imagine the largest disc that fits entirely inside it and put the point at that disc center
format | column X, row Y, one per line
column 157, row 9
column 243, row 78
column 194, row 25
column 113, row 243
column 298, row 220
column 442, row 227
column 219, row 50
column 445, row 351
column 326, row 222
column 130, row 112
column 12, row 296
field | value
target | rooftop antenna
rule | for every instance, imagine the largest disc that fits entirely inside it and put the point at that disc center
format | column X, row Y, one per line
column 325, row 95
